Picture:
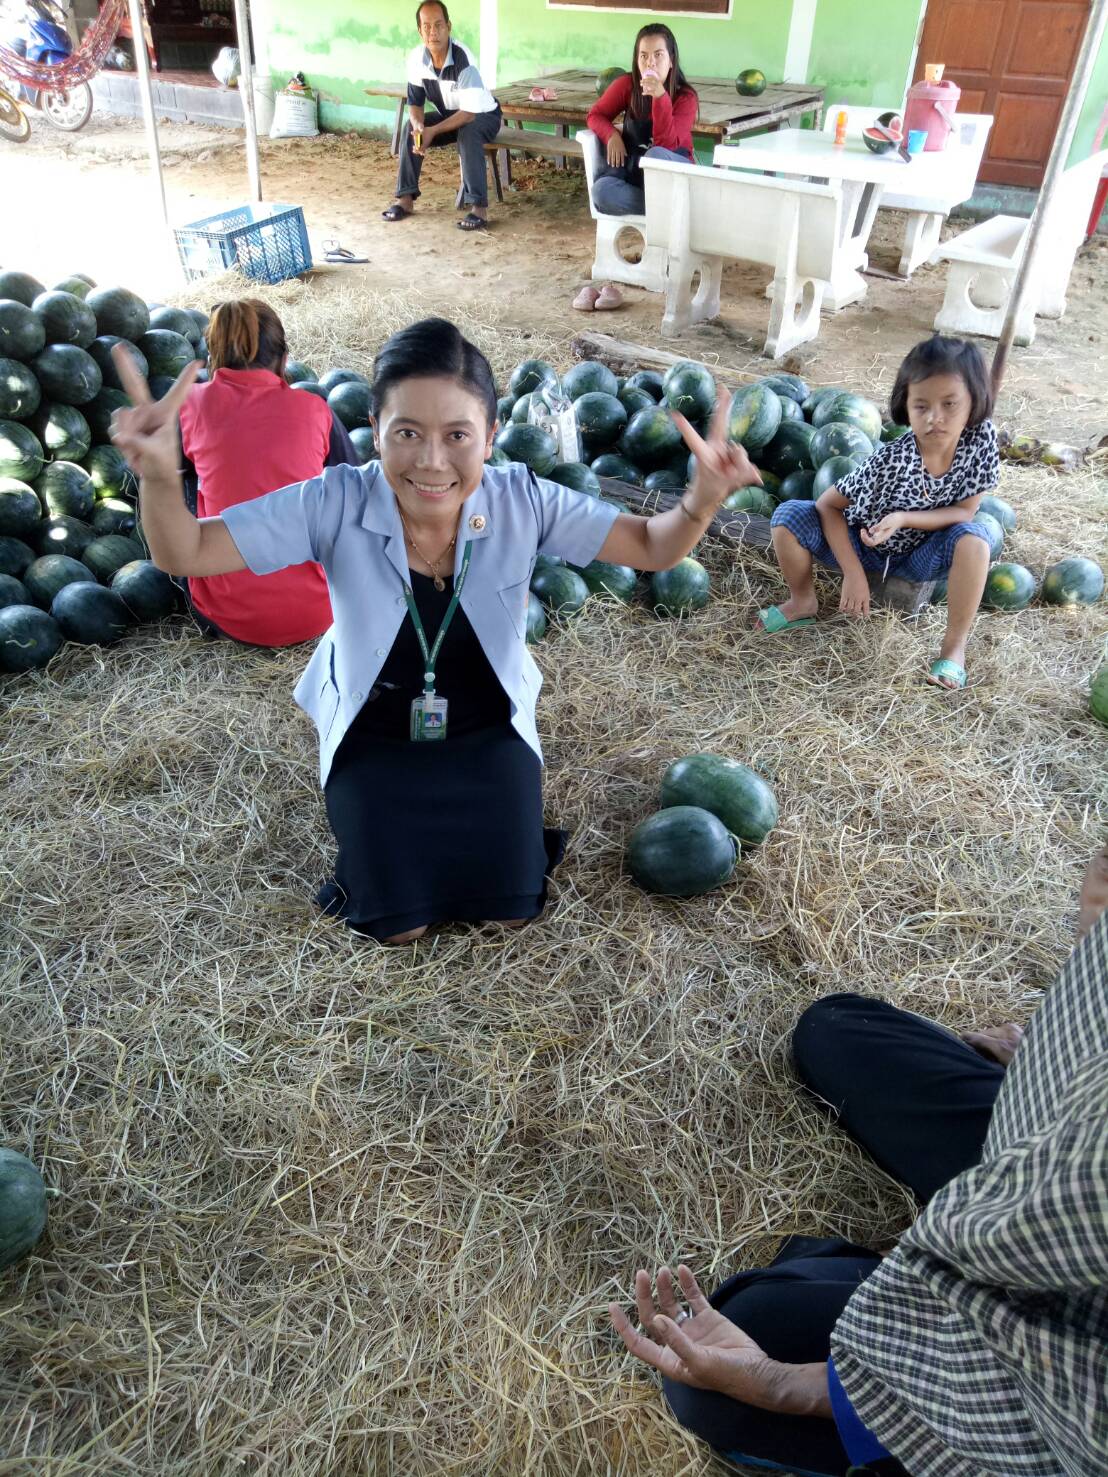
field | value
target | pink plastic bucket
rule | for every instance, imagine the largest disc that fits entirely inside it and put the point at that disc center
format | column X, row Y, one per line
column 931, row 108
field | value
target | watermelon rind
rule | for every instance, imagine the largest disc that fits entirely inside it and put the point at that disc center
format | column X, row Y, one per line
column 575, row 475
column 1008, row 587
column 350, row 402
column 530, row 375
column 1002, row 511
column 680, row 590
column 1076, row 581
column 611, row 464
column 20, row 509
column 66, row 318
column 733, row 792
column 689, row 388
column 562, row 591
column 90, row 614
column 15, row 555
column 68, row 374
column 650, row 438
column 22, row 331
column 50, row 574
column 65, row 487
column 536, row 619
column 119, row 312
column 529, row 445
column 21, row 453
column 107, row 554
column 789, row 450
column 601, row 419
column 147, row 591
column 62, row 431
column 19, row 391
column 832, row 472
column 29, row 637
column 646, row 379
column 616, row 580
column 166, row 352
column 100, row 350
column 857, row 410
column 20, row 287
column 839, row 438
column 63, row 535
column 586, row 376
column 681, row 851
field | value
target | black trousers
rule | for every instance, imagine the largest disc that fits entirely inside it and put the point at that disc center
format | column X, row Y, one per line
column 918, row 1100
column 471, row 139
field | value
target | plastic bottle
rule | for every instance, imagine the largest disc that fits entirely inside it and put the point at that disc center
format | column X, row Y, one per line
column 840, row 129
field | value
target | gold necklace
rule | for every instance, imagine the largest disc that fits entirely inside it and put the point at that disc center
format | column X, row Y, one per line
column 433, row 564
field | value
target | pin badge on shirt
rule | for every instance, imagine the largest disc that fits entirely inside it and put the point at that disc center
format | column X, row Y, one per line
column 477, row 522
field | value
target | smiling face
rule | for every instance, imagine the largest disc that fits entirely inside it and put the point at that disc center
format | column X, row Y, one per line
column 938, row 409
column 433, row 436
column 653, row 56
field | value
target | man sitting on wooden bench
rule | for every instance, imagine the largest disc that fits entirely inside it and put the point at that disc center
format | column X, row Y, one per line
column 467, row 114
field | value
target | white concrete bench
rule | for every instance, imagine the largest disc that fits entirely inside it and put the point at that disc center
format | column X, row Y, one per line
column 984, row 261
column 700, row 217
column 926, row 213
column 608, row 264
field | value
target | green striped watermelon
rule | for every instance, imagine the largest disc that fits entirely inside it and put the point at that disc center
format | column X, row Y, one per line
column 64, row 487
column 816, row 398
column 119, row 312
column 617, row 580
column 148, row 593
column 855, row 409
column 790, row 385
column 46, row 576
column 997, row 508
column 562, row 591
column 632, row 399
column 530, row 375
column 100, row 350
column 20, row 287
column 839, row 438
column 521, row 410
column 15, row 555
column 611, row 464
column 601, row 419
column 680, row 590
column 21, row 453
column 666, row 479
column 177, row 320
column 112, row 515
column 92, row 614
column 1098, row 694
column 66, row 318
column 28, row 638
column 589, row 376
column 350, row 402
column 832, row 472
column 99, row 411
column 107, row 555
column 689, row 388
column 1008, row 587
column 797, row 485
column 790, row 450
column 19, row 391
column 22, row 332
column 1073, row 582
column 63, row 431
column 536, row 618
column 110, row 473
column 753, row 500
column 650, row 438
column 20, row 509
column 12, row 592
column 67, row 374
column 530, row 445
column 575, row 475
column 296, row 370
column 755, row 417
column 988, row 524
column 738, row 796
column 681, row 851
column 647, row 379
column 62, row 534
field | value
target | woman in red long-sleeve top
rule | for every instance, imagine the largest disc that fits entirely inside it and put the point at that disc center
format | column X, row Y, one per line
column 659, row 109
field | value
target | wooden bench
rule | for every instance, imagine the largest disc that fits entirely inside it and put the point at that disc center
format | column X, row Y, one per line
column 699, row 217
column 984, row 261
column 524, row 141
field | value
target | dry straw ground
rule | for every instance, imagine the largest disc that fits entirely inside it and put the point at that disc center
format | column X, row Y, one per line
column 326, row 1208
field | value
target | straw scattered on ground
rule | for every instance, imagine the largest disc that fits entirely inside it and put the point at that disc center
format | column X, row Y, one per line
column 331, row 1208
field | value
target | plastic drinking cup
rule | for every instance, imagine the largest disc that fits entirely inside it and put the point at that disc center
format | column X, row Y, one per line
column 916, row 140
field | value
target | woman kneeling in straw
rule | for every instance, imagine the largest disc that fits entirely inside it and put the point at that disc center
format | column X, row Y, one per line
column 428, row 556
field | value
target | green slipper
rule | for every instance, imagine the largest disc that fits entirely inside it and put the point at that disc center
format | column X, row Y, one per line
column 944, row 667
column 774, row 619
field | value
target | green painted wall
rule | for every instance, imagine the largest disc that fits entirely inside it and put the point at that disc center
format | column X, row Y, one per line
column 534, row 39
column 1096, row 99
column 861, row 53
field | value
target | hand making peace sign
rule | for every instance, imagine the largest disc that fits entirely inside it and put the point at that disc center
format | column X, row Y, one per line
column 146, row 434
column 722, row 466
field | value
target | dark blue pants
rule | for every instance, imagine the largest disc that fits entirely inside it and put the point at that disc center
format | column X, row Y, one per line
column 471, row 139
column 918, row 1101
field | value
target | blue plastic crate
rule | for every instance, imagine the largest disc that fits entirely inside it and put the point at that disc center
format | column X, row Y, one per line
column 266, row 242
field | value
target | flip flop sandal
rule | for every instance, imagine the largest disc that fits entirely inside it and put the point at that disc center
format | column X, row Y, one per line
column 336, row 253
column 944, row 667
column 472, row 222
column 610, row 297
column 395, row 213
column 585, row 301
column 774, row 619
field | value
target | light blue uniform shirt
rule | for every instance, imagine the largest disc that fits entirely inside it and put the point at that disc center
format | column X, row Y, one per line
column 348, row 521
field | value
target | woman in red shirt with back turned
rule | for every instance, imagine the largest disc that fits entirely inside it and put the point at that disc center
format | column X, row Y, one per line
column 246, row 432
column 659, row 109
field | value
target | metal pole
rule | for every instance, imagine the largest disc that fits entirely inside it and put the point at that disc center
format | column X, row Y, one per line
column 142, row 69
column 246, row 92
column 1067, row 125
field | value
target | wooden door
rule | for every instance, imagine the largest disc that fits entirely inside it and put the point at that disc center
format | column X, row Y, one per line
column 1013, row 59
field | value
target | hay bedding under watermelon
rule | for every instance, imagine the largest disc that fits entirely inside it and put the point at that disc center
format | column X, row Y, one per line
column 331, row 1208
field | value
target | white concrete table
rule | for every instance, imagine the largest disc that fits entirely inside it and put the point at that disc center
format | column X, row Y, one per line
column 864, row 176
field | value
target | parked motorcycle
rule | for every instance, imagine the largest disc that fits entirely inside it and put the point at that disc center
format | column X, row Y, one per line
column 14, row 125
column 35, row 30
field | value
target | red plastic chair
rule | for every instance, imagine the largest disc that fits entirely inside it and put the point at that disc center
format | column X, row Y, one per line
column 1102, row 188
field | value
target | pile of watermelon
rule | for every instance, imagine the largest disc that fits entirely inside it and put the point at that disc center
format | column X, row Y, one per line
column 711, row 808
column 72, row 562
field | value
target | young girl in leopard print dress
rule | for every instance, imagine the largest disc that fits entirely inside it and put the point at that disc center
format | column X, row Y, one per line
column 909, row 509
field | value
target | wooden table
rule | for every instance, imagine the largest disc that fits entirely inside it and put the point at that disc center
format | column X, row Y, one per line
column 723, row 113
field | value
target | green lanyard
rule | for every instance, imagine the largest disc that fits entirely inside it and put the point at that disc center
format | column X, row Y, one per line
column 431, row 654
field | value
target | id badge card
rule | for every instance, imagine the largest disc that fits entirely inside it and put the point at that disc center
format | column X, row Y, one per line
column 428, row 720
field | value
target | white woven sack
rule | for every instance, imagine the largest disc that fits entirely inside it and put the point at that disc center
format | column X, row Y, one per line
column 294, row 116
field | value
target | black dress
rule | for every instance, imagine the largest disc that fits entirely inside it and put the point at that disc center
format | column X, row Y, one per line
column 443, row 831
